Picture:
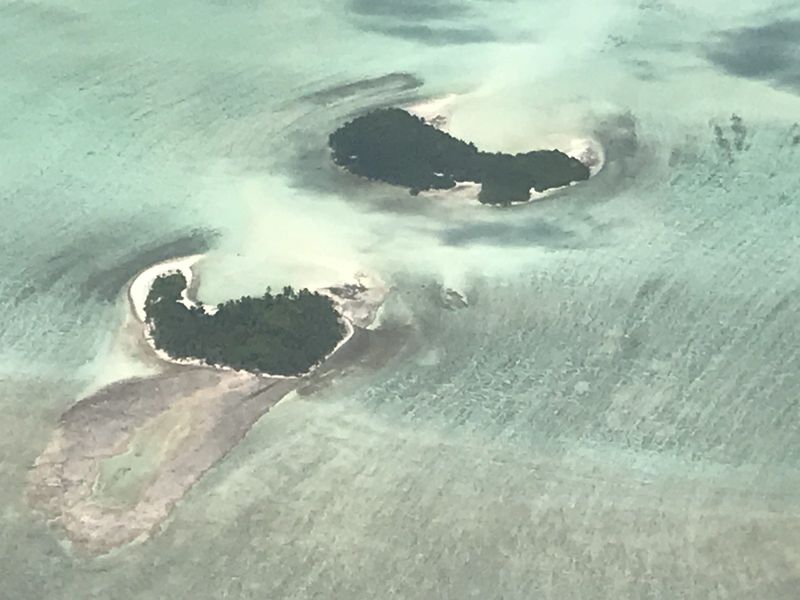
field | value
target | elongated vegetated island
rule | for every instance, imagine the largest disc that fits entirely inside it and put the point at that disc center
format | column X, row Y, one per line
column 396, row 147
column 280, row 334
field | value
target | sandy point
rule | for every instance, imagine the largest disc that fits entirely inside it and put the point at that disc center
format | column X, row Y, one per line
column 140, row 287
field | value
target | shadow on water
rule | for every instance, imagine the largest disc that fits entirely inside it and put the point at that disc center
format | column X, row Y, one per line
column 103, row 275
column 391, row 82
column 428, row 23
column 764, row 52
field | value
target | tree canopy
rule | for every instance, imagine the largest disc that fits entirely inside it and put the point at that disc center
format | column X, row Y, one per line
column 281, row 334
column 396, row 147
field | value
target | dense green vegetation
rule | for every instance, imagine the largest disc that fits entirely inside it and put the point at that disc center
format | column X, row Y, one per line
column 394, row 146
column 281, row 334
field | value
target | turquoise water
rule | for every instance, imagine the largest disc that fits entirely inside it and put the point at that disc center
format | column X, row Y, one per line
column 615, row 414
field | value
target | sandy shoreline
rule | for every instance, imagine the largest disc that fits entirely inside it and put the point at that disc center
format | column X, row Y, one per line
column 121, row 458
column 141, row 284
column 347, row 304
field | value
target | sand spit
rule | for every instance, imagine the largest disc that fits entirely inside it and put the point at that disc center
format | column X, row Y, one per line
column 140, row 288
column 121, row 458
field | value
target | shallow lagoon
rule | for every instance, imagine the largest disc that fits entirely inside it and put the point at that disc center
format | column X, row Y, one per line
column 615, row 413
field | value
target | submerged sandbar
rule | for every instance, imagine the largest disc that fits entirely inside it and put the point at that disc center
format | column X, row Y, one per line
column 120, row 459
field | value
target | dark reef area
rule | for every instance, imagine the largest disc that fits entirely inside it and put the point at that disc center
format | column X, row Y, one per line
column 395, row 147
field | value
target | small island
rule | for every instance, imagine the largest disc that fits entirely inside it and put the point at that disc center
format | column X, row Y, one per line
column 278, row 334
column 396, row 147
column 122, row 457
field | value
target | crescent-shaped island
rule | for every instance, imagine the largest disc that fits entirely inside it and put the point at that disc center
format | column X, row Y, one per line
column 122, row 457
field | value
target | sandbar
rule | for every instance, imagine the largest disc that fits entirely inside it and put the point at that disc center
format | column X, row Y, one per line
column 120, row 459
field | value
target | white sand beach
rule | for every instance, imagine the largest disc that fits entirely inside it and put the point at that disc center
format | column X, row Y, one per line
column 357, row 305
column 140, row 287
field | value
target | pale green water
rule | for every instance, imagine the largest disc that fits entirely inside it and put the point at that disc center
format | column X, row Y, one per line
column 616, row 414
column 123, row 477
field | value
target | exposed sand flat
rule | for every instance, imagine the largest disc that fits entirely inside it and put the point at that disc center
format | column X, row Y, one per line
column 120, row 459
